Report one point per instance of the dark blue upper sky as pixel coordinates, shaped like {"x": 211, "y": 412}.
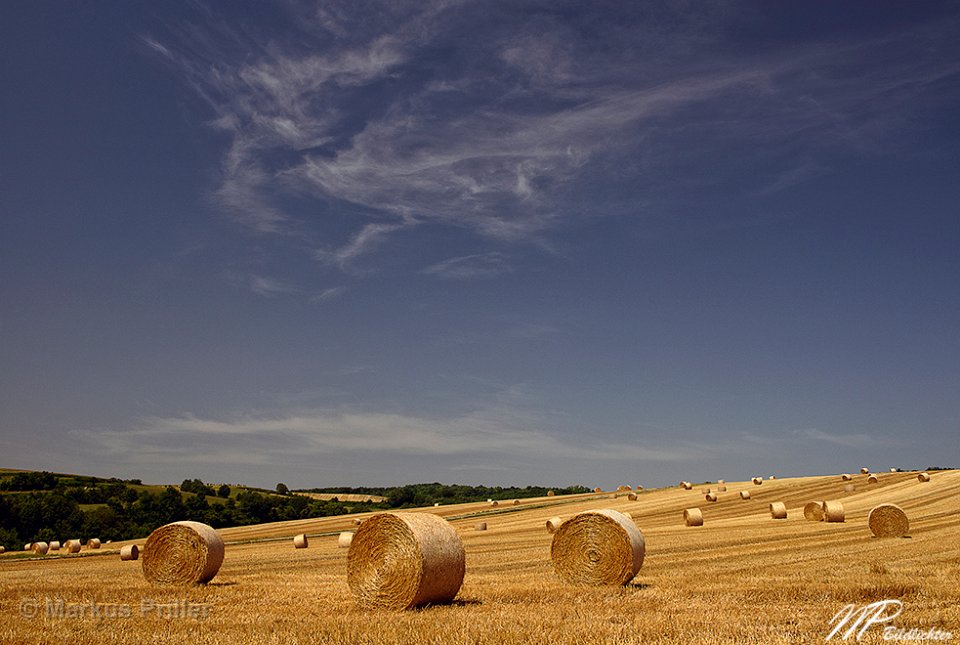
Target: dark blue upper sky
{"x": 501, "y": 242}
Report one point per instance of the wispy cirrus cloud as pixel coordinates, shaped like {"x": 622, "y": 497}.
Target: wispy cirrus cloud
{"x": 498, "y": 123}
{"x": 465, "y": 267}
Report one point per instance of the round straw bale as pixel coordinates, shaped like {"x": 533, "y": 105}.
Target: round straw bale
{"x": 720, "y": 482}
{"x": 597, "y": 490}
{"x": 687, "y": 486}
{"x": 72, "y": 546}
{"x": 888, "y": 520}
{"x": 893, "y": 470}
{"x": 711, "y": 497}
{"x": 130, "y": 552}
{"x": 480, "y": 526}
{"x": 693, "y": 517}
{"x": 41, "y": 548}
{"x": 772, "y": 477}
{"x": 516, "y": 502}
{"x": 849, "y": 488}
{"x": 833, "y": 511}
{"x": 623, "y": 488}
{"x": 924, "y": 477}
{"x": 300, "y": 541}
{"x": 494, "y": 503}
{"x": 28, "y": 546}
{"x": 55, "y": 546}
{"x": 550, "y": 493}
{"x": 632, "y": 497}
{"x": 845, "y": 477}
{"x": 705, "y": 490}
{"x": 813, "y": 511}
{"x": 357, "y": 521}
{"x": 744, "y": 494}
{"x": 182, "y": 553}
{"x": 436, "y": 503}
{"x": 757, "y": 480}
{"x": 778, "y": 510}
{"x": 93, "y": 543}
{"x": 3, "y": 549}
{"x": 345, "y": 539}
{"x": 864, "y": 471}
{"x": 601, "y": 547}
{"x": 721, "y": 489}
{"x": 553, "y": 524}
{"x": 404, "y": 560}
{"x": 873, "y": 479}
{"x": 639, "y": 488}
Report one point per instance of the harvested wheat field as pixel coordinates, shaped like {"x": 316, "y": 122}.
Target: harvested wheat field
{"x": 740, "y": 578}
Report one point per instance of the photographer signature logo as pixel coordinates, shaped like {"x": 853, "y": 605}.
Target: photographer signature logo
{"x": 853, "y": 622}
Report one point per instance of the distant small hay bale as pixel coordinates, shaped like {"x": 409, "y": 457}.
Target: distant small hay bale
{"x": 3, "y": 549}
{"x": 772, "y": 477}
{"x": 28, "y": 546}
{"x": 721, "y": 489}
{"x": 489, "y": 500}
{"x": 93, "y": 543}
{"x": 924, "y": 477}
{"x": 550, "y": 493}
{"x": 873, "y": 479}
{"x": 833, "y": 511}
{"x": 720, "y": 482}
{"x": 72, "y": 546}
{"x": 632, "y": 497}
{"x": 357, "y": 521}
{"x": 600, "y": 547}
{"x": 705, "y": 491}
{"x": 41, "y": 548}
{"x": 55, "y": 546}
{"x": 893, "y": 470}
{"x": 405, "y": 560}
{"x": 813, "y": 511}
{"x": 686, "y": 485}
{"x": 130, "y": 552}
{"x": 757, "y": 480}
{"x": 864, "y": 471}
{"x": 744, "y": 494}
{"x": 301, "y": 541}
{"x": 182, "y": 553}
{"x": 597, "y": 490}
{"x": 516, "y": 502}
{"x": 639, "y": 488}
{"x": 345, "y": 539}
{"x": 845, "y": 477}
{"x": 888, "y": 520}
{"x": 711, "y": 497}
{"x": 623, "y": 488}
{"x": 849, "y": 488}
{"x": 436, "y": 503}
{"x": 480, "y": 526}
{"x": 778, "y": 510}
{"x": 553, "y": 524}
{"x": 494, "y": 503}
{"x": 693, "y": 517}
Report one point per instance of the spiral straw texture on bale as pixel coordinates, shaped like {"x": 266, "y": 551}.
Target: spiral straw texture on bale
{"x": 404, "y": 560}
{"x": 924, "y": 477}
{"x": 888, "y": 520}
{"x": 345, "y": 539}
{"x": 833, "y": 512}
{"x": 778, "y": 510}
{"x": 130, "y": 552}
{"x": 41, "y": 548}
{"x": 182, "y": 553}
{"x": 553, "y": 524}
{"x": 601, "y": 547}
{"x": 693, "y": 517}
{"x": 301, "y": 541}
{"x": 813, "y": 511}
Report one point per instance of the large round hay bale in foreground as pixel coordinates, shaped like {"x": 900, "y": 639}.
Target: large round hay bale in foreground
{"x": 888, "y": 520}
{"x": 744, "y": 494}
{"x": 182, "y": 553}
{"x": 757, "y": 480}
{"x": 924, "y": 477}
{"x": 404, "y": 560}
{"x": 778, "y": 510}
{"x": 813, "y": 511}
{"x": 71, "y": 546}
{"x": 300, "y": 541}
{"x": 553, "y": 524}
{"x": 130, "y": 552}
{"x": 693, "y": 517}
{"x": 833, "y": 512}
{"x": 345, "y": 539}
{"x": 93, "y": 543}
{"x": 601, "y": 547}
{"x": 41, "y": 548}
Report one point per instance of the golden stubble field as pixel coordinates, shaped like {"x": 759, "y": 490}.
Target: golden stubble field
{"x": 741, "y": 578}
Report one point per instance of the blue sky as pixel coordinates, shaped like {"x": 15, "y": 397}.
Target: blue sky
{"x": 495, "y": 242}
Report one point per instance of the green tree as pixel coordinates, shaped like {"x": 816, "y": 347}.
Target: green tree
{"x": 282, "y": 489}
{"x": 223, "y": 491}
